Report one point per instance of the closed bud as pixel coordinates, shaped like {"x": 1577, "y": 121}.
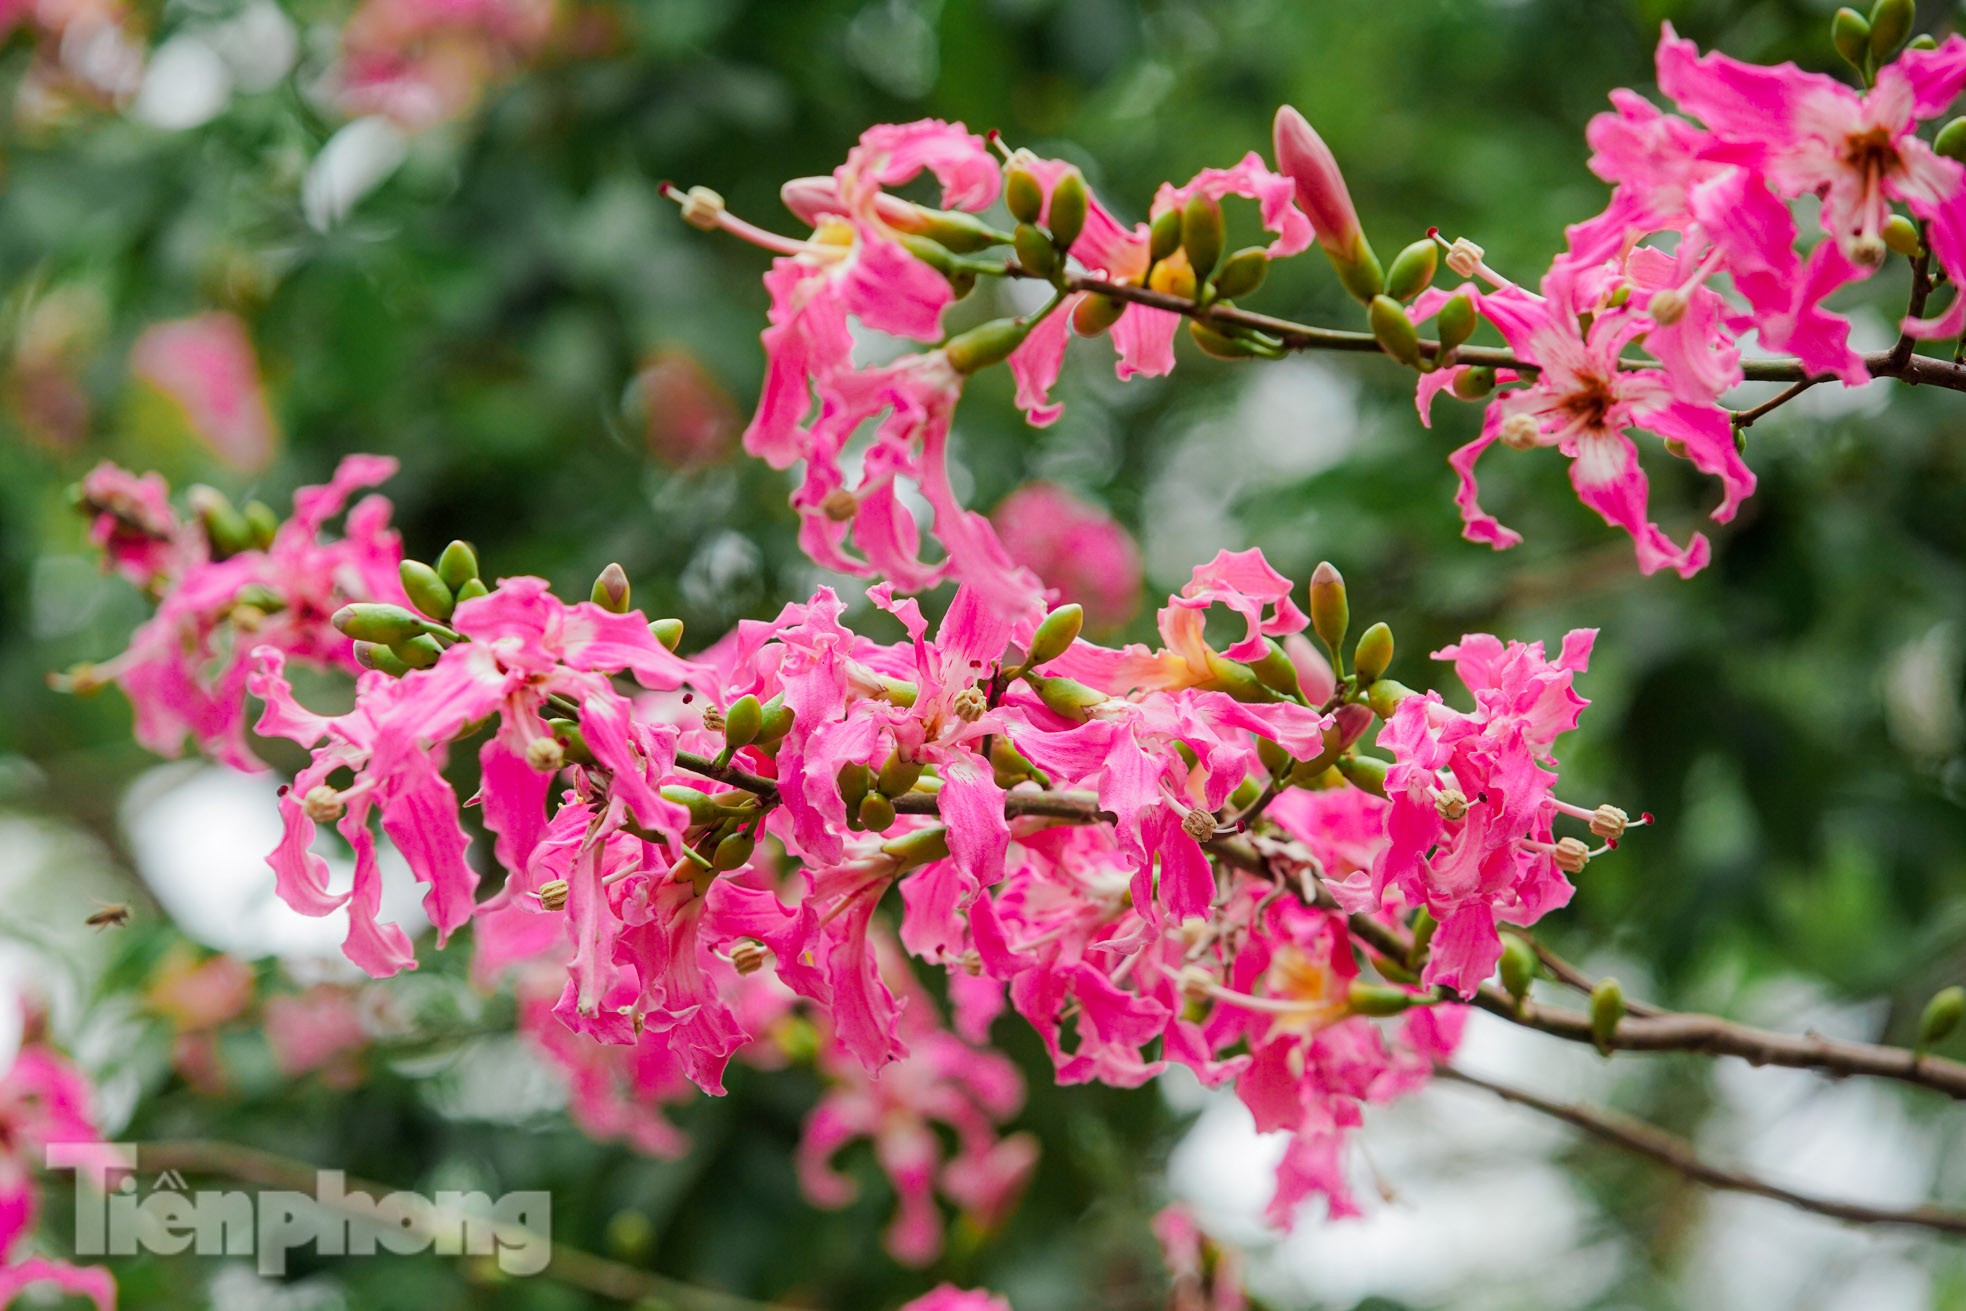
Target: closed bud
{"x": 954, "y": 230}
{"x": 261, "y": 522}
{"x": 1385, "y": 695}
{"x": 669, "y": 632}
{"x": 1274, "y": 758}
{"x": 1201, "y": 233}
{"x": 734, "y": 851}
{"x": 702, "y": 810}
{"x": 1471, "y": 384}
{"x": 1901, "y": 236}
{"x": 1607, "y": 1009}
{"x": 377, "y": 621}
{"x": 225, "y": 528}
{"x": 1456, "y": 321}
{"x": 418, "y": 652}
{"x": 611, "y": 590}
{"x": 1068, "y": 206}
{"x": 473, "y": 589}
{"x": 426, "y": 590}
{"x": 919, "y": 847}
{"x": 743, "y": 722}
{"x": 1173, "y": 277}
{"x": 1373, "y": 653}
{"x": 1941, "y": 1016}
{"x": 1009, "y": 766}
{"x": 930, "y": 252}
{"x": 1218, "y": 344}
{"x": 777, "y": 722}
{"x": 1951, "y": 141}
{"x": 1094, "y": 314}
{"x": 458, "y": 565}
{"x": 1331, "y": 613}
{"x": 1394, "y": 331}
{"x": 1056, "y": 634}
{"x": 374, "y": 655}
{"x": 1849, "y": 32}
{"x": 898, "y": 775}
{"x": 1321, "y": 193}
{"x": 1022, "y": 195}
{"x": 1066, "y": 697}
{"x": 1349, "y": 723}
{"x": 1412, "y": 270}
{"x": 1274, "y": 670}
{"x": 1363, "y": 998}
{"x": 987, "y": 344}
{"x": 1242, "y": 273}
{"x": 876, "y": 813}
{"x": 1164, "y": 235}
{"x": 1923, "y": 41}
{"x": 855, "y": 780}
{"x": 1035, "y": 251}
{"x": 1424, "y": 928}
{"x": 1890, "y": 24}
{"x": 1518, "y": 966}
{"x": 1366, "y": 773}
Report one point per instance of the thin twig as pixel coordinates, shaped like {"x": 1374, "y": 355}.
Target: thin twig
{"x": 1744, "y": 419}
{"x": 1656, "y": 1144}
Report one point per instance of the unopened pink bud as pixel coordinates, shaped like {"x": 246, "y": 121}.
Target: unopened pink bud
{"x": 1322, "y": 194}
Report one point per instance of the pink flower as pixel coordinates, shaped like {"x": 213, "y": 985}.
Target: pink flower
{"x": 947, "y": 1297}
{"x": 92, "y": 1282}
{"x": 425, "y": 62}
{"x": 43, "y": 1100}
{"x": 320, "y": 1029}
{"x": 692, "y": 422}
{"x": 1079, "y": 551}
{"x": 206, "y": 366}
{"x": 1206, "y": 1275}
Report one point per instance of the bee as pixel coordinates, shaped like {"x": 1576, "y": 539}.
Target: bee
{"x": 108, "y": 915}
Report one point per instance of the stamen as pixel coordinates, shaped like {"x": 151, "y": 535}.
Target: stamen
{"x": 1467, "y": 260}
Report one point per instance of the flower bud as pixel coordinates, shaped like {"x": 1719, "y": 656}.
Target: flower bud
{"x": 374, "y": 655}
{"x": 611, "y": 590}
{"x": 876, "y": 813}
{"x": 743, "y": 722}
{"x": 1067, "y": 697}
{"x": 418, "y": 652}
{"x": 1890, "y": 24}
{"x": 702, "y": 810}
{"x": 1849, "y": 32}
{"x": 1242, "y": 273}
{"x": 1607, "y": 1009}
{"x": 855, "y": 779}
{"x": 1901, "y": 236}
{"x": 1321, "y": 193}
{"x": 1363, "y": 998}
{"x": 932, "y": 253}
{"x": 1164, "y": 235}
{"x": 1456, "y": 321}
{"x": 225, "y": 528}
{"x": 553, "y": 894}
{"x": 1385, "y": 695}
{"x": 1275, "y": 760}
{"x": 918, "y": 848}
{"x": 1275, "y": 670}
{"x": 1951, "y": 141}
{"x": 1349, "y": 723}
{"x": 734, "y": 851}
{"x": 1366, "y": 773}
{"x": 1942, "y": 1015}
{"x": 473, "y": 589}
{"x": 1471, "y": 384}
{"x": 1173, "y": 277}
{"x": 571, "y": 740}
{"x": 261, "y": 522}
{"x": 1412, "y": 270}
{"x": 987, "y": 344}
{"x": 1201, "y": 233}
{"x": 1217, "y": 344}
{"x": 777, "y": 722}
{"x": 952, "y": 229}
{"x": 1373, "y": 653}
{"x": 1331, "y": 613}
{"x": 1923, "y": 41}
{"x": 1034, "y": 250}
{"x": 426, "y": 590}
{"x": 669, "y": 632}
{"x": 1055, "y": 635}
{"x": 1094, "y": 314}
{"x": 1424, "y": 928}
{"x": 376, "y": 621}
{"x": 458, "y": 565}
{"x": 898, "y": 775}
{"x": 1009, "y": 766}
{"x": 1518, "y": 966}
{"x": 1068, "y": 207}
{"x": 1022, "y": 195}
{"x": 1395, "y": 332}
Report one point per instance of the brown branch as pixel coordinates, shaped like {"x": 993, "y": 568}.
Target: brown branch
{"x": 1677, "y": 1154}
{"x": 569, "y": 1266}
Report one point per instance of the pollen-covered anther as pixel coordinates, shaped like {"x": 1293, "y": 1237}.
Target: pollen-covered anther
{"x": 702, "y": 208}
{"x": 1571, "y": 855}
{"x": 1609, "y": 822}
{"x": 1451, "y": 804}
{"x": 1868, "y": 251}
{"x": 552, "y": 894}
{"x": 1666, "y": 307}
{"x": 972, "y": 963}
{"x": 972, "y": 703}
{"x": 1464, "y": 257}
{"x": 1520, "y": 433}
{"x": 322, "y": 804}
{"x": 1194, "y": 982}
{"x": 748, "y": 955}
{"x": 545, "y": 754}
{"x": 713, "y": 719}
{"x": 840, "y": 505}
{"x": 1194, "y": 930}
{"x": 1198, "y": 824}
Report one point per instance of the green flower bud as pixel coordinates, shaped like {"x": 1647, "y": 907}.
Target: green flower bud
{"x": 418, "y": 652}
{"x": 986, "y": 344}
{"x": 1094, "y": 314}
{"x": 1035, "y": 251}
{"x": 1396, "y": 334}
{"x": 778, "y": 720}
{"x": 1412, "y": 270}
{"x": 1901, "y": 235}
{"x": 1456, "y": 321}
{"x": 669, "y": 632}
{"x": 954, "y": 230}
{"x": 1242, "y": 273}
{"x": 1274, "y": 758}
{"x": 1164, "y": 235}
{"x": 473, "y": 589}
{"x": 374, "y": 621}
{"x": 1331, "y": 613}
{"x": 1518, "y": 966}
{"x": 1385, "y": 695}
{"x": 426, "y": 590}
{"x": 702, "y": 810}
{"x": 1373, "y": 653}
{"x": 1360, "y": 273}
{"x": 1009, "y": 766}
{"x": 458, "y": 565}
{"x": 876, "y": 813}
{"x": 1942, "y": 1016}
{"x": 1218, "y": 344}
{"x": 1066, "y": 696}
{"x": 1849, "y": 32}
{"x": 611, "y": 590}
{"x": 374, "y": 655}
{"x": 918, "y": 848}
{"x": 1201, "y": 233}
{"x": 1363, "y": 998}
{"x": 1275, "y": 671}
{"x": 573, "y": 743}
{"x": 898, "y": 775}
{"x": 1424, "y": 928}
{"x": 1890, "y": 24}
{"x": 1472, "y": 384}
{"x": 1951, "y": 141}
{"x": 1022, "y": 195}
{"x": 261, "y": 522}
{"x": 1068, "y": 206}
{"x": 1607, "y": 1009}
{"x": 1056, "y": 634}
{"x": 1923, "y": 41}
{"x": 743, "y": 722}
{"x": 225, "y": 528}
{"x": 734, "y": 851}
{"x": 1366, "y": 773}
{"x": 932, "y": 253}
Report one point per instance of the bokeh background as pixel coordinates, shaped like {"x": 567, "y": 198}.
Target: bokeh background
{"x": 503, "y": 301}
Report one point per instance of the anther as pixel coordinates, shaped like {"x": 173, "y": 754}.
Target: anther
{"x": 1571, "y": 855}
{"x": 552, "y": 894}
{"x": 1520, "y": 433}
{"x": 545, "y": 754}
{"x": 322, "y": 804}
{"x": 1451, "y": 804}
{"x": 1608, "y": 822}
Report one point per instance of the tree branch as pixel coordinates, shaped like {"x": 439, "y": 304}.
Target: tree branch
{"x": 1677, "y": 1154}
